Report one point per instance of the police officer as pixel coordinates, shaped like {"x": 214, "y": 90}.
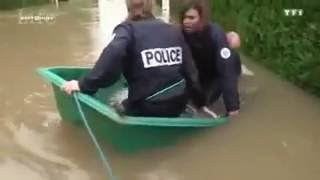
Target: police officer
{"x": 152, "y": 55}
{"x": 218, "y": 65}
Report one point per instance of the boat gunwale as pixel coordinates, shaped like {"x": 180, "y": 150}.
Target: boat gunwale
{"x": 108, "y": 111}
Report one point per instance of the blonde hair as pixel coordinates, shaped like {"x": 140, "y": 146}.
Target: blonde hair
{"x": 139, "y": 9}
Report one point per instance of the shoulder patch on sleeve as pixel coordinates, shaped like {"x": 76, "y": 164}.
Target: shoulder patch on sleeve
{"x": 225, "y": 53}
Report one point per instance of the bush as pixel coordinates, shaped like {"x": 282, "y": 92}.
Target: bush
{"x": 287, "y": 45}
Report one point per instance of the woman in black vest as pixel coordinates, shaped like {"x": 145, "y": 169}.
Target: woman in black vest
{"x": 218, "y": 65}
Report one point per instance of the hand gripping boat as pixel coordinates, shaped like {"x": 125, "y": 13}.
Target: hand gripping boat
{"x": 125, "y": 133}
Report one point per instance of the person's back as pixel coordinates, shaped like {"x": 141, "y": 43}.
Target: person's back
{"x": 155, "y": 61}
{"x": 153, "y": 64}
{"x": 152, "y": 55}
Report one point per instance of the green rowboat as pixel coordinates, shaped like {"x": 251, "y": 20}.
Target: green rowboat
{"x": 125, "y": 133}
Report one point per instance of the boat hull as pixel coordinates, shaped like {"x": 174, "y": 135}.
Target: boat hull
{"x": 125, "y": 133}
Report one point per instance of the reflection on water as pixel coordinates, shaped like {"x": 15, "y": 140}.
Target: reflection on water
{"x": 109, "y": 16}
{"x": 39, "y": 148}
{"x": 159, "y": 174}
{"x": 276, "y": 136}
{"x": 17, "y": 171}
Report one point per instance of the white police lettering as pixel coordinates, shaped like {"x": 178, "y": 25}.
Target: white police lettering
{"x": 225, "y": 53}
{"x": 161, "y": 57}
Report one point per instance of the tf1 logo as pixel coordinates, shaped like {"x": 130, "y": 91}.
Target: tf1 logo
{"x": 293, "y": 12}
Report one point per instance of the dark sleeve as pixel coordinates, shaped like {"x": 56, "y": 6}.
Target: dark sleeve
{"x": 227, "y": 67}
{"x": 190, "y": 73}
{"x": 109, "y": 66}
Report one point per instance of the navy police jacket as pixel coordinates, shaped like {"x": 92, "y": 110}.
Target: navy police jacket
{"x": 151, "y": 54}
{"x": 216, "y": 62}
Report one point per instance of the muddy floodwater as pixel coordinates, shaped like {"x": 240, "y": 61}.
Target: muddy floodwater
{"x": 276, "y": 137}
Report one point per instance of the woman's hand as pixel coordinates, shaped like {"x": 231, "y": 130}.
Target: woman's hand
{"x": 70, "y": 86}
{"x": 233, "y": 39}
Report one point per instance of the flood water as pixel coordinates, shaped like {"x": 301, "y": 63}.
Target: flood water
{"x": 276, "y": 136}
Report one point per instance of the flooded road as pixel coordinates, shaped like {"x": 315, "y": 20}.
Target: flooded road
{"x": 276, "y": 136}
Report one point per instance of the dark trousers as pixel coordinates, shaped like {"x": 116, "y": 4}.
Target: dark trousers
{"x": 172, "y": 108}
{"x": 212, "y": 87}
{"x": 212, "y": 92}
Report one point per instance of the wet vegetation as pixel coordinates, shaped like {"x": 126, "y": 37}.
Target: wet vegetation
{"x": 288, "y": 45}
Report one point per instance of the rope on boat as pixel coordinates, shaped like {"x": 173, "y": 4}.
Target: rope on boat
{"x": 103, "y": 157}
